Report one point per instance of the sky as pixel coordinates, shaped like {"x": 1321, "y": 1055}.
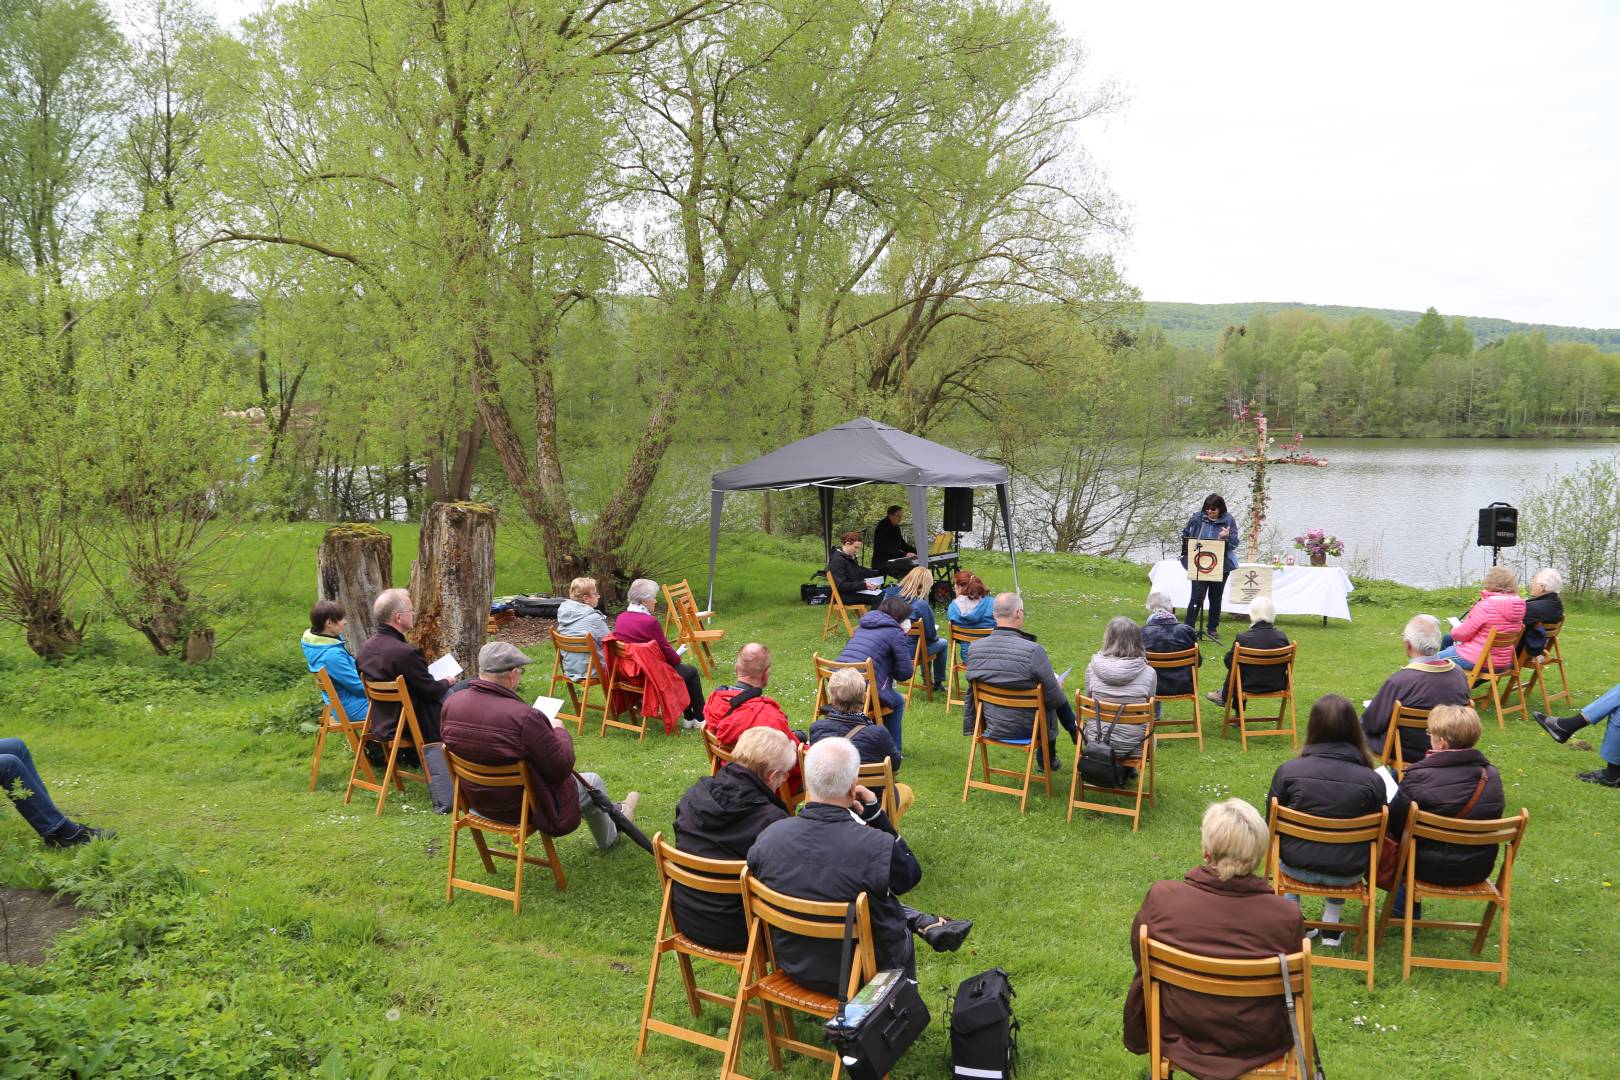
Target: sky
{"x": 1464, "y": 156}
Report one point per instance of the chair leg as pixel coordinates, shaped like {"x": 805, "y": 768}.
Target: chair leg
{"x": 1029, "y": 771}
{"x": 1406, "y": 958}
{"x": 390, "y": 775}
{"x": 449, "y": 886}
{"x": 647, "y": 1000}
{"x": 556, "y": 866}
{"x": 1484, "y": 928}
{"x": 1368, "y": 903}
{"x": 517, "y": 880}
{"x": 1502, "y": 947}
{"x": 315, "y": 764}
{"x": 1075, "y": 788}
{"x": 483, "y": 848}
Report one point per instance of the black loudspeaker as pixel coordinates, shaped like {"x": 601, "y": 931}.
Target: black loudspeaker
{"x": 1498, "y": 526}
{"x": 958, "y": 510}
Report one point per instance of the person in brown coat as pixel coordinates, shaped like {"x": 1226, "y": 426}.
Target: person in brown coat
{"x": 487, "y": 723}
{"x": 1219, "y": 909}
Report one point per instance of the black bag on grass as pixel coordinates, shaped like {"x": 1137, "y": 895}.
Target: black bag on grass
{"x": 984, "y": 1035}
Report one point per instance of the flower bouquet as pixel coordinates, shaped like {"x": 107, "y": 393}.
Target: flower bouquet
{"x": 1318, "y": 545}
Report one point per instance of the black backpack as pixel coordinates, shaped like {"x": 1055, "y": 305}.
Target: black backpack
{"x": 984, "y": 1035}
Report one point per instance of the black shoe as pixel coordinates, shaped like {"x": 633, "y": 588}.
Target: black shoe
{"x": 79, "y": 834}
{"x": 947, "y": 935}
{"x": 1599, "y": 776}
{"x": 1554, "y": 725}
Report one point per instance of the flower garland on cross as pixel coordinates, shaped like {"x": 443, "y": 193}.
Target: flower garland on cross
{"x": 1257, "y": 458}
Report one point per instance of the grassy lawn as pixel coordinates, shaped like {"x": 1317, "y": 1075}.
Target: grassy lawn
{"x": 248, "y": 927}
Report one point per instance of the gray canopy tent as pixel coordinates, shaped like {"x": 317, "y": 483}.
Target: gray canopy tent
{"x": 862, "y": 451}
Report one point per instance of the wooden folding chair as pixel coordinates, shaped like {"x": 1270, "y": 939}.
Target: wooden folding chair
{"x": 985, "y": 694}
{"x": 719, "y": 756}
{"x": 873, "y": 707}
{"x": 722, "y": 877}
{"x": 1505, "y": 832}
{"x": 1401, "y": 716}
{"x": 1540, "y": 666}
{"x": 849, "y": 613}
{"x": 1236, "y": 696}
{"x": 579, "y": 693}
{"x": 920, "y": 667}
{"x": 618, "y": 682}
{"x": 954, "y": 638}
{"x": 1136, "y": 714}
{"x": 1486, "y": 671}
{"x": 1170, "y": 661}
{"x": 1366, "y": 829}
{"x": 763, "y": 982}
{"x": 880, "y": 776}
{"x": 1165, "y": 965}
{"x": 463, "y": 816}
{"x": 691, "y": 625}
{"x": 335, "y": 718}
{"x": 406, "y": 729}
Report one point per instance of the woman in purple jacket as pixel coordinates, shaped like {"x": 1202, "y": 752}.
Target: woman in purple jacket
{"x": 881, "y": 637}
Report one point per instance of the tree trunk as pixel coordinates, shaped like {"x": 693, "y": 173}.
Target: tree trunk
{"x": 454, "y": 581}
{"x": 200, "y": 646}
{"x": 355, "y": 564}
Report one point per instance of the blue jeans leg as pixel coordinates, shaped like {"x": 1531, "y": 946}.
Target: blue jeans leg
{"x": 17, "y": 768}
{"x": 1607, "y": 708}
{"x": 937, "y": 652}
{"x": 1450, "y": 653}
{"x": 893, "y": 721}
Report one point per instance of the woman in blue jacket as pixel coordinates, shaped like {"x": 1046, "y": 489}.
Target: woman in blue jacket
{"x": 324, "y": 648}
{"x": 1210, "y": 523}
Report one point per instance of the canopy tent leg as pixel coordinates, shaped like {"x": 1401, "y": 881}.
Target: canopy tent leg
{"x": 1005, "y": 500}
{"x": 716, "y": 498}
{"x": 917, "y": 496}
{"x": 825, "y": 495}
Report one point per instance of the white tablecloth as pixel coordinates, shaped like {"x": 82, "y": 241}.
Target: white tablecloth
{"x": 1296, "y": 590}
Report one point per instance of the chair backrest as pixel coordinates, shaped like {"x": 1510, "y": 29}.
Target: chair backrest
{"x": 1552, "y": 630}
{"x": 880, "y": 774}
{"x": 1366, "y": 829}
{"x": 1499, "y": 639}
{"x": 958, "y": 634}
{"x": 1494, "y": 831}
{"x": 682, "y": 604}
{"x": 819, "y": 919}
{"x": 986, "y": 694}
{"x": 512, "y": 774}
{"x": 722, "y": 877}
{"x": 339, "y": 718}
{"x": 580, "y": 644}
{"x": 824, "y": 669}
{"x": 1164, "y": 661}
{"x": 395, "y": 693}
{"x": 919, "y": 648}
{"x": 1401, "y": 716}
{"x": 1242, "y": 654}
{"x": 718, "y": 755}
{"x": 1134, "y": 713}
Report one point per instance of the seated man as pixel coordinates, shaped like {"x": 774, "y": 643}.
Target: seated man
{"x": 637, "y": 622}
{"x": 1011, "y": 659}
{"x": 840, "y": 846}
{"x": 1164, "y": 633}
{"x": 889, "y": 541}
{"x": 578, "y": 616}
{"x": 20, "y": 785}
{"x": 487, "y": 723}
{"x": 1422, "y": 684}
{"x": 1221, "y": 908}
{"x": 1543, "y": 608}
{"x": 386, "y": 656}
{"x": 719, "y": 817}
{"x": 857, "y": 584}
{"x": 324, "y": 648}
{"x": 732, "y": 710}
{"x": 844, "y": 717}
{"x": 1261, "y": 634}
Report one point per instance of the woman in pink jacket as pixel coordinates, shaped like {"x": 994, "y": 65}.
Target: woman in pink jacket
{"x": 1500, "y": 608}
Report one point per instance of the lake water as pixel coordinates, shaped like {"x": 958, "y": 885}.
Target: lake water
{"x": 1406, "y": 509}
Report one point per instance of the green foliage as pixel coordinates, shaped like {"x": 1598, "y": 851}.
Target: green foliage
{"x": 1573, "y": 522}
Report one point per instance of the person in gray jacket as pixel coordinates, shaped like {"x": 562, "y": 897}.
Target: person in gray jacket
{"x": 577, "y": 616}
{"x": 1119, "y": 674}
{"x": 1013, "y": 660}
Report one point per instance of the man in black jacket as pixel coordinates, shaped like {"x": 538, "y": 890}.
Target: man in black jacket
{"x": 386, "y": 656}
{"x": 720, "y": 817}
{"x": 1542, "y": 608}
{"x": 840, "y": 846}
{"x": 1261, "y": 634}
{"x": 1164, "y": 633}
{"x": 889, "y": 541}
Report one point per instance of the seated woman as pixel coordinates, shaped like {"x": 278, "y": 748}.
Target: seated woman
{"x": 844, "y": 717}
{"x": 719, "y": 817}
{"x": 973, "y": 607}
{"x": 637, "y": 623}
{"x": 1164, "y": 633}
{"x": 1119, "y": 674}
{"x": 1261, "y": 634}
{"x": 1499, "y": 608}
{"x": 881, "y": 637}
{"x": 854, "y": 581}
{"x": 1333, "y": 777}
{"x": 1218, "y": 909}
{"x": 1452, "y": 779}
{"x": 914, "y": 589}
{"x": 1544, "y": 608}
{"x": 578, "y": 616}
{"x": 324, "y": 648}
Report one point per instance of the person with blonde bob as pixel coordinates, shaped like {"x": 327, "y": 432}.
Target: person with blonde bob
{"x": 914, "y": 589}
{"x": 1219, "y": 908}
{"x": 578, "y": 616}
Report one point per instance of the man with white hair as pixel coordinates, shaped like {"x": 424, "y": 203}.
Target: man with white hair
{"x": 1011, "y": 658}
{"x": 386, "y": 656}
{"x": 840, "y": 846}
{"x": 1542, "y": 608}
{"x": 639, "y": 622}
{"x": 1422, "y": 684}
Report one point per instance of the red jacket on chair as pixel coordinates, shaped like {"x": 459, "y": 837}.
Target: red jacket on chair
{"x": 664, "y": 693}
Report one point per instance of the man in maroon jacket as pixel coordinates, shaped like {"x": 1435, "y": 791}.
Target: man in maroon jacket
{"x": 487, "y": 723}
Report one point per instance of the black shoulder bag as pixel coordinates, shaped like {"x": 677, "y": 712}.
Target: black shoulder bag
{"x": 984, "y": 1035}
{"x": 1099, "y": 765}
{"x": 874, "y": 1028}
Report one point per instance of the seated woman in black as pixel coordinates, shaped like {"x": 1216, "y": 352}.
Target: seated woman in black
{"x": 1261, "y": 634}
{"x": 1333, "y": 777}
{"x": 844, "y": 570}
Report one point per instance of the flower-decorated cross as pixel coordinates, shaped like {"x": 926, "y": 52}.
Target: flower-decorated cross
{"x": 1257, "y": 458}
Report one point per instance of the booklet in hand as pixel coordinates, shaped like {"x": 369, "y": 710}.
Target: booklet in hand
{"x": 551, "y": 706}
{"x": 445, "y": 667}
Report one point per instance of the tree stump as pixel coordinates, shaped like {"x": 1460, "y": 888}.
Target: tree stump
{"x": 354, "y": 564}
{"x": 453, "y": 581}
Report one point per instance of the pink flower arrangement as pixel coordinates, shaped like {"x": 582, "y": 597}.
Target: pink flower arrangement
{"x": 1317, "y": 542}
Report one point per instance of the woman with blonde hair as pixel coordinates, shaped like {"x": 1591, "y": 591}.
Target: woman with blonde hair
{"x": 914, "y": 589}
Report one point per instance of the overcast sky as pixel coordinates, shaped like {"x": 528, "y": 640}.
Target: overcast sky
{"x": 1460, "y": 155}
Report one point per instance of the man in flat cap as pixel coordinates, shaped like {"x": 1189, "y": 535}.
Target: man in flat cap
{"x": 488, "y": 723}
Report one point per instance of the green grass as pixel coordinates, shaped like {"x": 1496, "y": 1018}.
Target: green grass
{"x": 249, "y": 928}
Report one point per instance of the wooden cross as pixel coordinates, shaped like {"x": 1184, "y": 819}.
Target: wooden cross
{"x": 1258, "y": 458}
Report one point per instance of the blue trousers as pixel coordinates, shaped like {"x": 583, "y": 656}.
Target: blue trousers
{"x": 936, "y": 651}
{"x": 17, "y": 770}
{"x": 893, "y": 720}
{"x": 1606, "y": 708}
